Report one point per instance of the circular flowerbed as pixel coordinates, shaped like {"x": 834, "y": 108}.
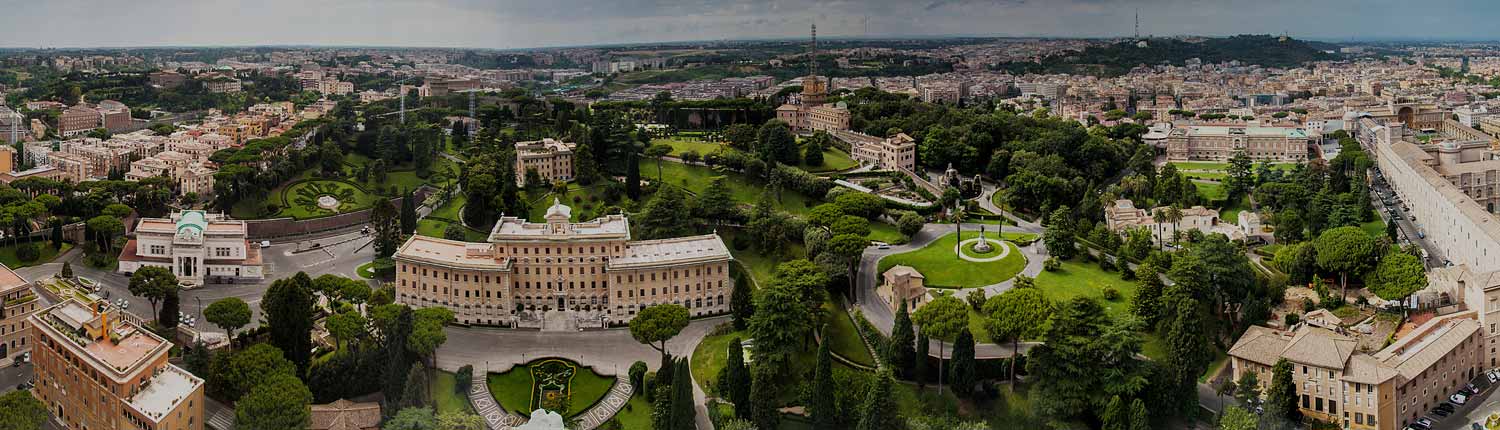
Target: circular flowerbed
{"x": 941, "y": 264}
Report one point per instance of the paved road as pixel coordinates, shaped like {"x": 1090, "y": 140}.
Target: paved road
{"x": 280, "y": 262}
{"x": 11, "y": 376}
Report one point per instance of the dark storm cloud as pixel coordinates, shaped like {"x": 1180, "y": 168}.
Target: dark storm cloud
{"x": 530, "y": 23}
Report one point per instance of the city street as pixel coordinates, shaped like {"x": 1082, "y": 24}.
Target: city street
{"x": 1475, "y": 410}
{"x": 342, "y": 256}
{"x": 11, "y": 376}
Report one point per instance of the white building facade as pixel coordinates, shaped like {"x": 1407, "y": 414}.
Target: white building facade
{"x": 199, "y": 248}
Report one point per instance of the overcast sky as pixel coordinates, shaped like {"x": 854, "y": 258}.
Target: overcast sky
{"x": 540, "y": 23}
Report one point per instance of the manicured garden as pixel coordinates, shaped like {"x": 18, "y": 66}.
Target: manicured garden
{"x": 546, "y": 383}
{"x": 301, "y": 200}
{"x": 434, "y": 224}
{"x": 697, "y": 178}
{"x": 943, "y": 269}
{"x": 708, "y": 359}
{"x": 587, "y": 202}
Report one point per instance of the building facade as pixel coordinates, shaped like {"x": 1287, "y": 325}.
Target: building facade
{"x": 1219, "y": 143}
{"x": 95, "y": 371}
{"x": 17, "y": 303}
{"x": 1384, "y": 390}
{"x": 591, "y": 266}
{"x": 551, "y": 159}
{"x": 197, "y": 246}
{"x": 897, "y": 152}
{"x": 79, "y": 119}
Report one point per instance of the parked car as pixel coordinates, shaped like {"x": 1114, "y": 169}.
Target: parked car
{"x": 1472, "y": 389}
{"x": 265, "y": 244}
{"x": 1458, "y": 399}
{"x": 1441, "y": 413}
{"x": 1446, "y": 406}
{"x": 1476, "y": 426}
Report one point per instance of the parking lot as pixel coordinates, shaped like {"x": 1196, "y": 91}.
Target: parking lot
{"x": 1475, "y": 409}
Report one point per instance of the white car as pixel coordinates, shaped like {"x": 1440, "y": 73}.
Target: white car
{"x": 1458, "y": 399}
{"x": 1493, "y": 377}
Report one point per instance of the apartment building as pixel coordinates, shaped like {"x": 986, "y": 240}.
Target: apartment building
{"x": 79, "y": 119}
{"x": 1357, "y": 389}
{"x": 115, "y": 116}
{"x": 1220, "y": 143}
{"x": 584, "y": 266}
{"x": 167, "y": 79}
{"x": 220, "y": 85}
{"x": 551, "y": 159}
{"x": 96, "y": 371}
{"x": 17, "y": 303}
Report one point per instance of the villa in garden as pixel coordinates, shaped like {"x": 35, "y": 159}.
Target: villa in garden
{"x": 552, "y": 160}
{"x": 1124, "y": 217}
{"x": 198, "y": 246}
{"x": 590, "y": 266}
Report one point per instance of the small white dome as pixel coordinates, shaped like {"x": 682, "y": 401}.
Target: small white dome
{"x": 559, "y": 210}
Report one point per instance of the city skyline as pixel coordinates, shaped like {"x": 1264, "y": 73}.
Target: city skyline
{"x": 523, "y": 24}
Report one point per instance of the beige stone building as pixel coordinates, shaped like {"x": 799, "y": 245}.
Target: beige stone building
{"x": 1357, "y": 389}
{"x": 551, "y": 159}
{"x": 591, "y": 266}
{"x": 197, "y": 246}
{"x": 904, "y": 284}
{"x": 1124, "y": 217}
{"x": 1219, "y": 143}
{"x": 897, "y": 152}
{"x": 96, "y": 371}
{"x": 810, "y": 112}
{"x": 17, "y": 303}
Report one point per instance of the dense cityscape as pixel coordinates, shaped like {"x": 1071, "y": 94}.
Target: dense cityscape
{"x": 846, "y": 230}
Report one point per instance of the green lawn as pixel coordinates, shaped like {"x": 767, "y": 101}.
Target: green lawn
{"x": 761, "y": 266}
{"x": 942, "y": 269}
{"x": 1077, "y": 279}
{"x": 833, "y": 160}
{"x": 708, "y": 360}
{"x": 697, "y": 178}
{"x": 1211, "y": 191}
{"x": 1204, "y": 165}
{"x": 366, "y": 270}
{"x": 845, "y": 340}
{"x": 1212, "y": 176}
{"x": 1375, "y": 228}
{"x": 450, "y": 209}
{"x": 681, "y": 145}
{"x": 1231, "y": 214}
{"x": 8, "y": 254}
{"x": 434, "y": 228}
{"x": 444, "y": 396}
{"x": 513, "y": 388}
{"x": 882, "y": 232}
{"x": 636, "y": 415}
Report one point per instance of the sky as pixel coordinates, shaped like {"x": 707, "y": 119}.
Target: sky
{"x": 544, "y": 23}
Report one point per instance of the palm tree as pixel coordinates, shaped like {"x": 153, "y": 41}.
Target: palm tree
{"x": 1174, "y": 214}
{"x": 1159, "y": 215}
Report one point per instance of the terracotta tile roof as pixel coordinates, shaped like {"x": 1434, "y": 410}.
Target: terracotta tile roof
{"x": 343, "y": 414}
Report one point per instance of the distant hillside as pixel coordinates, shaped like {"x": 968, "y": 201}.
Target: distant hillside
{"x": 1117, "y": 59}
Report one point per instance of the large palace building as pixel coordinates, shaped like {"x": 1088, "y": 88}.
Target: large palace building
{"x": 1219, "y": 143}
{"x": 590, "y": 266}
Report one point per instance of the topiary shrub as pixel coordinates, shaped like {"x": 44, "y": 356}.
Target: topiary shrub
{"x": 1051, "y": 264}
{"x": 28, "y": 252}
{"x": 1111, "y": 294}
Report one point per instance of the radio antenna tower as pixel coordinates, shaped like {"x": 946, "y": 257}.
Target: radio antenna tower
{"x": 1137, "y": 23}
{"x": 471, "y": 113}
{"x": 812, "y": 54}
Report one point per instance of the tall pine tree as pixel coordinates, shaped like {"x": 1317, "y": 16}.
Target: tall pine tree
{"x": 922, "y": 367}
{"x": 632, "y": 177}
{"x": 899, "y": 352}
{"x": 1281, "y": 398}
{"x": 764, "y": 409}
{"x": 879, "y": 409}
{"x": 821, "y": 407}
{"x": 963, "y": 374}
{"x": 396, "y": 360}
{"x": 683, "y": 412}
{"x": 408, "y": 213}
{"x": 740, "y": 302}
{"x": 734, "y": 380}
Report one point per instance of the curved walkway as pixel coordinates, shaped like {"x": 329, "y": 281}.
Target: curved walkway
{"x": 610, "y": 405}
{"x": 495, "y": 417}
